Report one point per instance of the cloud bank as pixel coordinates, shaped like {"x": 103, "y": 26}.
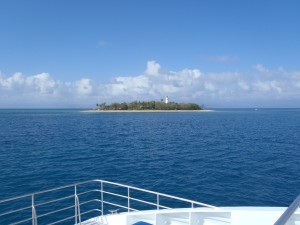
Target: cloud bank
{"x": 261, "y": 87}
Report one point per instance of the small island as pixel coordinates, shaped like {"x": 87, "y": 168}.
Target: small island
{"x": 148, "y": 106}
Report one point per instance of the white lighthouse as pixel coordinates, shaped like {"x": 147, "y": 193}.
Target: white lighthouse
{"x": 167, "y": 100}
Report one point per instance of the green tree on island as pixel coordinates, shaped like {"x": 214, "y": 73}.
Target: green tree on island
{"x": 149, "y": 105}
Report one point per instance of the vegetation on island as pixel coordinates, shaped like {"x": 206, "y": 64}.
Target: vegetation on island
{"x": 149, "y": 105}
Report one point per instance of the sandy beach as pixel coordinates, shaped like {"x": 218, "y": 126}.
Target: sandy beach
{"x": 143, "y": 111}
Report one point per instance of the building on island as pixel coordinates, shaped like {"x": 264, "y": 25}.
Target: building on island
{"x": 167, "y": 100}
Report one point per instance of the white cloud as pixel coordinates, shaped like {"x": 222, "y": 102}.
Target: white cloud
{"x": 15, "y": 80}
{"x": 185, "y": 77}
{"x": 84, "y": 86}
{"x": 40, "y": 83}
{"x": 263, "y": 70}
{"x": 244, "y": 86}
{"x": 209, "y": 86}
{"x": 154, "y": 83}
{"x": 152, "y": 68}
{"x": 296, "y": 78}
{"x": 268, "y": 86}
{"x": 43, "y": 83}
{"x": 129, "y": 86}
{"x": 211, "y": 89}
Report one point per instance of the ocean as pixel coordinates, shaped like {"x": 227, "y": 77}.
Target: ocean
{"x": 229, "y": 157}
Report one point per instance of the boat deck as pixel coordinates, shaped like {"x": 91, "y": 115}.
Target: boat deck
{"x": 89, "y": 203}
{"x": 223, "y": 216}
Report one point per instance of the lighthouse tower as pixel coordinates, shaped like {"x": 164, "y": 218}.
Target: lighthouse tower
{"x": 167, "y": 100}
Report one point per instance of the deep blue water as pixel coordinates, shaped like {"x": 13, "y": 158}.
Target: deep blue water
{"x": 227, "y": 157}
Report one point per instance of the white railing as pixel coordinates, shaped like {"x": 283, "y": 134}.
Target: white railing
{"x": 291, "y": 214}
{"x": 90, "y": 199}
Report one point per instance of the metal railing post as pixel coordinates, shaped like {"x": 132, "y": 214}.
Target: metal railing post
{"x": 157, "y": 201}
{"x": 128, "y": 197}
{"x": 75, "y": 203}
{"x": 102, "y": 199}
{"x": 77, "y": 207}
{"x": 34, "y": 218}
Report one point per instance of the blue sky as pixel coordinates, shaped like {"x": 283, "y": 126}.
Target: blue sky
{"x": 217, "y": 53}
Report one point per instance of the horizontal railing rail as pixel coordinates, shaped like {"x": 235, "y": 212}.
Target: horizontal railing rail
{"x": 84, "y": 202}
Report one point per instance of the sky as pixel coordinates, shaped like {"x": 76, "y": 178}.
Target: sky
{"x": 74, "y": 54}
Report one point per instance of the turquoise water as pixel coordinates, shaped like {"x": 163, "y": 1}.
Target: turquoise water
{"x": 227, "y": 157}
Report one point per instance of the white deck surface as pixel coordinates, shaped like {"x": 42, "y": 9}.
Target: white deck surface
{"x": 200, "y": 216}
